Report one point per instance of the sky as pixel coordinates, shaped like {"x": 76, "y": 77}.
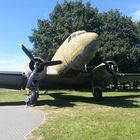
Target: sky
{"x": 19, "y": 17}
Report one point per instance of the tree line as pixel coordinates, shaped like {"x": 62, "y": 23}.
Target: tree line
{"x": 119, "y": 35}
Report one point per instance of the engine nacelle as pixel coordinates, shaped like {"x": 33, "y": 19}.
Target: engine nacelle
{"x": 111, "y": 66}
{"x": 29, "y": 67}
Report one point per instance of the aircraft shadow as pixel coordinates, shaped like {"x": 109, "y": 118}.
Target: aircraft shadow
{"x": 59, "y": 101}
{"x": 126, "y": 101}
{"x": 16, "y": 103}
{"x": 64, "y": 100}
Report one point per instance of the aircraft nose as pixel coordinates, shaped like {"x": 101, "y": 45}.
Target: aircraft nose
{"x": 91, "y": 44}
{"x": 88, "y": 45}
{"x": 91, "y": 40}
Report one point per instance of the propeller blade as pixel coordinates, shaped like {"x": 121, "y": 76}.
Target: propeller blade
{"x": 122, "y": 60}
{"x": 31, "y": 78}
{"x": 104, "y": 60}
{"x": 115, "y": 80}
{"x": 27, "y": 52}
{"x": 112, "y": 69}
{"x": 51, "y": 63}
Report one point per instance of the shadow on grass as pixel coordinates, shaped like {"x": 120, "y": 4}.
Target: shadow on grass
{"x": 126, "y": 101}
{"x": 60, "y": 100}
{"x": 16, "y": 103}
{"x": 67, "y": 100}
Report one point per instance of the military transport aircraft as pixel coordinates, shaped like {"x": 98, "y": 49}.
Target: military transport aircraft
{"x": 64, "y": 71}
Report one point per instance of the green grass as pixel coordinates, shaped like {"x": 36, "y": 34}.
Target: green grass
{"x": 11, "y": 97}
{"x": 72, "y": 115}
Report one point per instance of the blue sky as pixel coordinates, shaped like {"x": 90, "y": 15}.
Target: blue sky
{"x": 19, "y": 17}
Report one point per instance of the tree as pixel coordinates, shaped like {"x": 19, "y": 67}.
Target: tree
{"x": 41, "y": 39}
{"x": 63, "y": 20}
{"x": 118, "y": 36}
{"x": 118, "y": 33}
{"x": 138, "y": 28}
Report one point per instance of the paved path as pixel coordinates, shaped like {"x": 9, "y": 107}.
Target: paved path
{"x": 18, "y": 121}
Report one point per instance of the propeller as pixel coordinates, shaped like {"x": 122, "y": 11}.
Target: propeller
{"x": 37, "y": 65}
{"x": 111, "y": 67}
{"x": 51, "y": 63}
{"x": 27, "y": 52}
{"x": 31, "y": 78}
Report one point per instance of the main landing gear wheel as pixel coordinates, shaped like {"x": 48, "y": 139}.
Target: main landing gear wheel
{"x": 97, "y": 93}
{"x": 32, "y": 98}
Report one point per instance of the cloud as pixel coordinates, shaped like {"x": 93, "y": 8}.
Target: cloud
{"x": 7, "y": 65}
{"x": 136, "y": 15}
{"x": 12, "y": 63}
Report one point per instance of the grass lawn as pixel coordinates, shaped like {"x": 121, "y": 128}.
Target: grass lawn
{"x": 73, "y": 115}
{"x": 11, "y": 97}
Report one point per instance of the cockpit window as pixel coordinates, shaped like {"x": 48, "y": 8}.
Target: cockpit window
{"x": 71, "y": 37}
{"x": 75, "y": 34}
{"x": 80, "y": 33}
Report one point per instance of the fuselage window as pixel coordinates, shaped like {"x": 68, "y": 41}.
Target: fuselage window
{"x": 71, "y": 37}
{"x": 74, "y": 35}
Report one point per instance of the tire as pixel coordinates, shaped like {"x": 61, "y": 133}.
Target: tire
{"x": 33, "y": 98}
{"x": 97, "y": 93}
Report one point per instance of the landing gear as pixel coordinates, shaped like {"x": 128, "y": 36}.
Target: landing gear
{"x": 97, "y": 93}
{"x": 46, "y": 92}
{"x": 32, "y": 98}
{"x": 32, "y": 94}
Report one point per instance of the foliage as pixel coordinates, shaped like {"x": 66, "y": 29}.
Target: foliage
{"x": 41, "y": 38}
{"x": 118, "y": 38}
{"x": 64, "y": 19}
{"x": 118, "y": 33}
{"x": 138, "y": 28}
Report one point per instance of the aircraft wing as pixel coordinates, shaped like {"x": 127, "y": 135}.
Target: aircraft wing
{"x": 12, "y": 80}
{"x": 101, "y": 74}
{"x": 126, "y": 77}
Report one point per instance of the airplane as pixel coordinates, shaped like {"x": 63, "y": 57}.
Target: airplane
{"x": 66, "y": 70}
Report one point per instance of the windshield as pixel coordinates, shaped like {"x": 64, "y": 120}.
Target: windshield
{"x": 75, "y": 34}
